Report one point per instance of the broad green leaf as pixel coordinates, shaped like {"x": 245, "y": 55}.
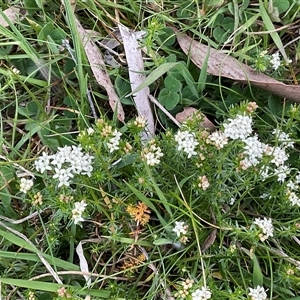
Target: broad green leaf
{"x": 281, "y": 5}
{"x": 172, "y": 84}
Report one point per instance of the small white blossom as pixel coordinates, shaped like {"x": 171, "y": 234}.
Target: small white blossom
{"x": 113, "y": 143}
{"x": 231, "y": 201}
{"x": 258, "y": 293}
{"x": 219, "y": 139}
{"x": 282, "y": 173}
{"x": 186, "y": 141}
{"x": 279, "y": 156}
{"x": 26, "y": 185}
{"x": 293, "y": 198}
{"x": 43, "y": 163}
{"x": 90, "y": 130}
{"x": 275, "y": 61}
{"x": 283, "y": 138}
{"x": 203, "y": 183}
{"x": 180, "y": 228}
{"x": 201, "y": 294}
{"x": 238, "y": 128}
{"x": 152, "y": 154}
{"x": 297, "y": 178}
{"x": 266, "y": 226}
{"x": 253, "y": 149}
{"x": 63, "y": 176}
{"x": 140, "y": 122}
{"x": 78, "y": 211}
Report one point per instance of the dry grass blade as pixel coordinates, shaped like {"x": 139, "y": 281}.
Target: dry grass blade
{"x": 220, "y": 64}
{"x": 98, "y": 68}
{"x": 136, "y": 68}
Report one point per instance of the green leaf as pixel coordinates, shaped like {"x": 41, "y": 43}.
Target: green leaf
{"x": 160, "y": 242}
{"x": 168, "y": 99}
{"x": 270, "y": 27}
{"x": 220, "y": 35}
{"x": 167, "y": 37}
{"x": 154, "y": 75}
{"x": 203, "y": 73}
{"x": 53, "y": 287}
{"x": 281, "y": 5}
{"x": 172, "y": 84}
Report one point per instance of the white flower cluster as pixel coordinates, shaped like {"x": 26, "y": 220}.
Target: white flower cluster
{"x": 66, "y": 162}
{"x": 258, "y": 293}
{"x": 283, "y": 138}
{"x": 266, "y": 226}
{"x": 78, "y": 211}
{"x": 219, "y": 139}
{"x": 26, "y": 185}
{"x": 275, "y": 61}
{"x": 254, "y": 150}
{"x": 113, "y": 143}
{"x": 152, "y": 154}
{"x": 238, "y": 128}
{"x": 180, "y": 228}
{"x": 201, "y": 294}
{"x": 140, "y": 122}
{"x": 186, "y": 141}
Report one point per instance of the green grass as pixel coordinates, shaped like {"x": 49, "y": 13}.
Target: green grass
{"x": 49, "y": 96}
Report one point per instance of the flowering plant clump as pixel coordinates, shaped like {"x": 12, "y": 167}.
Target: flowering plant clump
{"x": 193, "y": 213}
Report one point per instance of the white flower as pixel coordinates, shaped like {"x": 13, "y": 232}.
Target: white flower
{"x": 140, "y": 122}
{"x": 238, "y": 128}
{"x": 292, "y": 185}
{"x": 186, "y": 141}
{"x": 266, "y": 226}
{"x": 80, "y": 206}
{"x": 26, "y": 185}
{"x": 264, "y": 172}
{"x": 254, "y": 150}
{"x": 219, "y": 139}
{"x": 294, "y": 199}
{"x": 201, "y": 294}
{"x": 179, "y": 228}
{"x": 275, "y": 61}
{"x": 282, "y": 173}
{"x": 63, "y": 176}
{"x": 43, "y": 163}
{"x": 283, "y": 138}
{"x": 279, "y": 156}
{"x": 90, "y": 130}
{"x": 297, "y": 178}
{"x": 258, "y": 293}
{"x": 203, "y": 183}
{"x": 113, "y": 143}
{"x": 231, "y": 201}
{"x": 78, "y": 210}
{"x": 152, "y": 154}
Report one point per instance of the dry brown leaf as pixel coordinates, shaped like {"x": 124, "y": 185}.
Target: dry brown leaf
{"x": 14, "y": 14}
{"x": 98, "y": 68}
{"x": 220, "y": 64}
{"x": 189, "y": 112}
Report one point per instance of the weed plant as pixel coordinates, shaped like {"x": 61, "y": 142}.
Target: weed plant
{"x": 91, "y": 208}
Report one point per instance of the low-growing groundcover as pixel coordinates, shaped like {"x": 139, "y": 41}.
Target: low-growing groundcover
{"x": 190, "y": 214}
{"x": 90, "y": 209}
